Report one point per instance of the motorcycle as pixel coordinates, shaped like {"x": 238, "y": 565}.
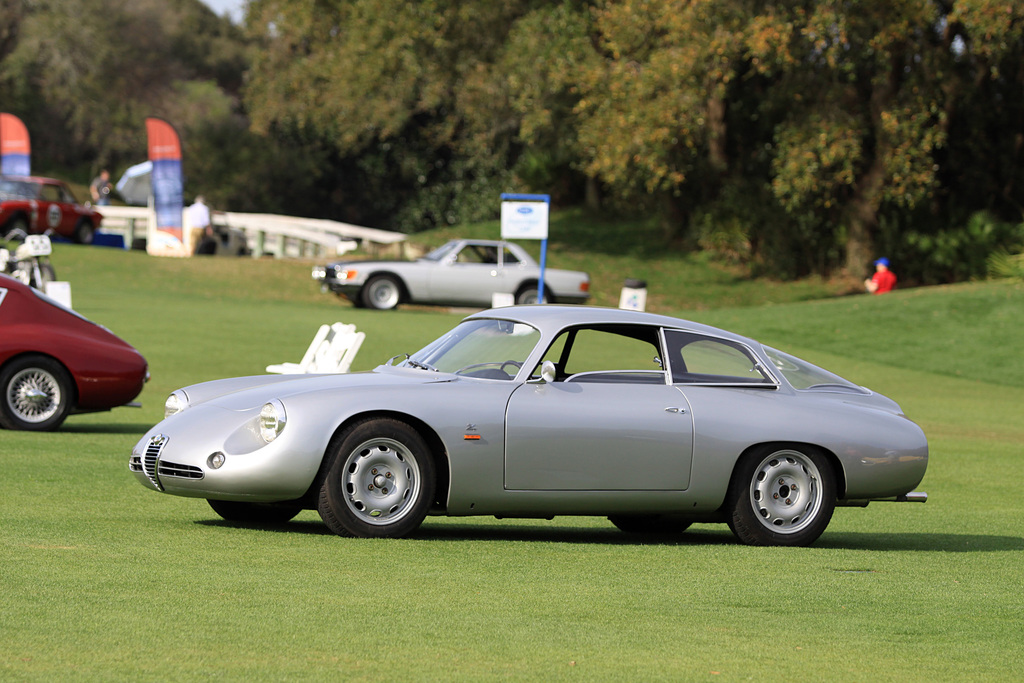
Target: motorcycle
{"x": 30, "y": 260}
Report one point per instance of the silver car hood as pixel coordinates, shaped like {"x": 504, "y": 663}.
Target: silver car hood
{"x": 242, "y": 393}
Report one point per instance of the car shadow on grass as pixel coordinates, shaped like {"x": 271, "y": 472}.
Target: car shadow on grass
{"x": 511, "y": 532}
{"x": 952, "y": 543}
{"x": 703, "y": 536}
{"x": 106, "y": 428}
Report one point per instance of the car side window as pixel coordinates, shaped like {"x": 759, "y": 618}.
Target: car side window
{"x": 509, "y": 259}
{"x": 50, "y": 193}
{"x": 478, "y": 253}
{"x": 699, "y": 359}
{"x": 607, "y": 354}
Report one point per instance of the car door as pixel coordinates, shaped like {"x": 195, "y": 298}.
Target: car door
{"x": 609, "y": 422}
{"x": 470, "y": 276}
{"x": 575, "y": 436}
{"x": 54, "y": 212}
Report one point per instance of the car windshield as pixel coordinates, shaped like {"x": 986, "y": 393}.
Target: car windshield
{"x": 441, "y": 252}
{"x": 803, "y": 375}
{"x": 483, "y": 348}
{"x": 18, "y": 188}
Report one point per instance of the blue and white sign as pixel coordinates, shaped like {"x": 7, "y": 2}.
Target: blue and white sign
{"x": 525, "y": 217}
{"x": 524, "y": 220}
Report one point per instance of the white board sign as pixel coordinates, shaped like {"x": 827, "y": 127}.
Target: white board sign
{"x": 524, "y": 220}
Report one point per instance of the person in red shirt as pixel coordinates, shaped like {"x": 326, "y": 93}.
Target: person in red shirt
{"x": 883, "y": 280}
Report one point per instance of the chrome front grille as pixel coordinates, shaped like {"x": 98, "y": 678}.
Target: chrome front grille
{"x": 173, "y": 469}
{"x": 150, "y": 464}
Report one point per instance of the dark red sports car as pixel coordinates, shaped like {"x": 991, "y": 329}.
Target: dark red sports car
{"x": 54, "y": 362}
{"x": 34, "y": 205}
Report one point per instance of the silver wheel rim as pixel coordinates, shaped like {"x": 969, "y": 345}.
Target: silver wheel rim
{"x": 381, "y": 481}
{"x": 34, "y": 395}
{"x": 785, "y": 492}
{"x": 529, "y": 297}
{"x": 384, "y": 294}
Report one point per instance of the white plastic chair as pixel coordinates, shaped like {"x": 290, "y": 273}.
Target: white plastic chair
{"x": 332, "y": 350}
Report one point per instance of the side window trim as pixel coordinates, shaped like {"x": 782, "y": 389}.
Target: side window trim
{"x": 772, "y": 380}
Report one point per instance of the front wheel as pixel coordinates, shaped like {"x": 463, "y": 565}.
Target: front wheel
{"x": 84, "y": 232}
{"x": 781, "y": 496}
{"x": 382, "y": 293}
{"x": 380, "y": 482}
{"x": 254, "y": 513}
{"x": 37, "y": 394}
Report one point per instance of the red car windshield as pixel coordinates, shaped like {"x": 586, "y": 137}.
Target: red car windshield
{"x": 18, "y": 188}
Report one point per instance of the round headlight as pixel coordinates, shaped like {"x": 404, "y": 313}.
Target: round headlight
{"x": 175, "y": 403}
{"x": 272, "y": 420}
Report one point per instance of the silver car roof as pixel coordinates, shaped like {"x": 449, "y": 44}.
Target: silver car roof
{"x": 550, "y": 317}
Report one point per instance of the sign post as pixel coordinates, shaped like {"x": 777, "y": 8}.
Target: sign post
{"x": 525, "y": 217}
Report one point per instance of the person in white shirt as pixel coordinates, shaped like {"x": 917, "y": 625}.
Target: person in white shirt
{"x": 199, "y": 220}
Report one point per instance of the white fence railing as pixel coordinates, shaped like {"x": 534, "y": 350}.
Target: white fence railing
{"x": 266, "y": 234}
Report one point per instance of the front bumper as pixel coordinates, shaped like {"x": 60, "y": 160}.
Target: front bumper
{"x": 177, "y": 457}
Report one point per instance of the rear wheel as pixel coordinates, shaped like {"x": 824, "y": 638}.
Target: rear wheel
{"x": 255, "y": 513}
{"x": 382, "y": 293}
{"x": 380, "y": 482}
{"x": 781, "y": 496}
{"x": 37, "y": 394}
{"x": 529, "y": 294}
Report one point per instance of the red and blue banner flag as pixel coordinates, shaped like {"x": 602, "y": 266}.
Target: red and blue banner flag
{"x": 15, "y": 150}
{"x": 168, "y": 188}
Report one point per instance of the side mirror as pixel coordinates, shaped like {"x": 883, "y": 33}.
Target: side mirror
{"x": 547, "y": 372}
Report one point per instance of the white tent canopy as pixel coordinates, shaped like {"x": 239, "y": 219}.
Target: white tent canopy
{"x": 135, "y": 186}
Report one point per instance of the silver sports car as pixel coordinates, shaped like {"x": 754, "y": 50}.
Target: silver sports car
{"x": 459, "y": 273}
{"x": 536, "y": 411}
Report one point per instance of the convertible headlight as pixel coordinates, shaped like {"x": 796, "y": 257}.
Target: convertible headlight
{"x": 175, "y": 403}
{"x": 272, "y": 420}
{"x": 319, "y": 272}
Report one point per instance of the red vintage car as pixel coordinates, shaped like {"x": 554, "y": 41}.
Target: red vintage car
{"x": 36, "y": 205}
{"x": 54, "y": 362}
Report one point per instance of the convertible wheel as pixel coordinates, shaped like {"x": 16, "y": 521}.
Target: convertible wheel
{"x": 649, "y": 524}
{"x": 380, "y": 482}
{"x": 37, "y": 394}
{"x": 254, "y": 513}
{"x": 382, "y": 293}
{"x": 781, "y": 496}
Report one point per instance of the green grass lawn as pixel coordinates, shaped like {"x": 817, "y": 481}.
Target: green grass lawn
{"x": 104, "y": 580}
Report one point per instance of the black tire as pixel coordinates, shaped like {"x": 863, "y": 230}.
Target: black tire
{"x": 781, "y": 495}
{"x": 380, "y": 482}
{"x": 381, "y": 292}
{"x": 255, "y": 513}
{"x": 47, "y": 274}
{"x": 84, "y": 232}
{"x": 16, "y": 229}
{"x": 649, "y": 524}
{"x": 527, "y": 294}
{"x": 37, "y": 394}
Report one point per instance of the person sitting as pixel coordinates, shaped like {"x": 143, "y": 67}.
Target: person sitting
{"x": 884, "y": 280}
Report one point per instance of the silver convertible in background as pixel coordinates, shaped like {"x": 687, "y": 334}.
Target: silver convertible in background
{"x": 459, "y": 273}
{"x": 536, "y": 411}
